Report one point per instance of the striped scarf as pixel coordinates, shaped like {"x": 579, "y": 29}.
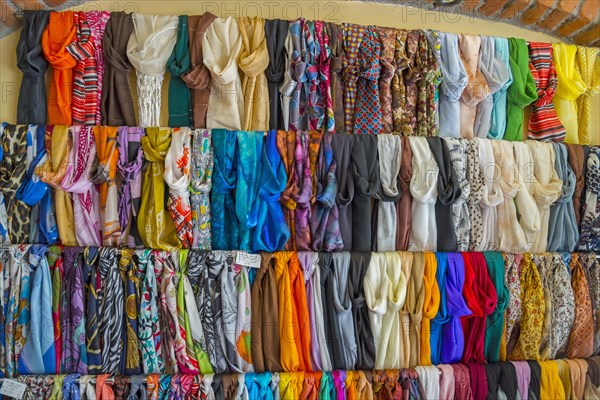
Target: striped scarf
{"x": 111, "y": 311}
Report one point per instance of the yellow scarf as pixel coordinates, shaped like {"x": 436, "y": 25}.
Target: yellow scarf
{"x": 589, "y": 68}
{"x": 551, "y": 386}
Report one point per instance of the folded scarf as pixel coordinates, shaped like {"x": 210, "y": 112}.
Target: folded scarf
{"x": 225, "y": 230}
{"x": 589, "y": 230}
{"x": 178, "y": 64}
{"x": 453, "y": 85}
{"x": 129, "y": 168}
{"x": 341, "y": 145}
{"x": 570, "y": 86}
{"x": 367, "y": 112}
{"x": 215, "y": 266}
{"x": 117, "y": 104}
{"x": 498, "y": 117}
{"x": 389, "y": 152}
{"x": 365, "y": 168}
{"x": 477, "y": 88}
{"x": 57, "y": 36}
{"x": 275, "y": 33}
{"x": 529, "y": 214}
{"x": 335, "y": 33}
{"x": 352, "y": 41}
{"x": 150, "y": 45}
{"x": 97, "y": 21}
{"x": 258, "y": 386}
{"x": 332, "y": 330}
{"x": 593, "y": 277}
{"x": 201, "y": 184}
{"x": 522, "y": 92}
{"x": 589, "y": 68}
{"x": 249, "y": 154}
{"x": 31, "y": 105}
{"x": 155, "y": 225}
{"x": 543, "y": 121}
{"x": 221, "y": 47}
{"x": 495, "y": 320}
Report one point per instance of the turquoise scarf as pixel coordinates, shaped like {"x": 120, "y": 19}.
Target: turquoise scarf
{"x": 249, "y": 153}
{"x": 178, "y": 64}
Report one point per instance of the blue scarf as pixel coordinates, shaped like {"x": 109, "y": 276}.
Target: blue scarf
{"x": 498, "y": 119}
{"x": 455, "y": 81}
{"x": 249, "y": 163}
{"x": 71, "y": 390}
{"x": 442, "y": 316}
{"x": 259, "y": 386}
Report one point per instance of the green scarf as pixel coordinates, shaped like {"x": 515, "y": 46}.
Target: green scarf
{"x": 495, "y": 321}
{"x": 522, "y": 92}
{"x": 178, "y": 64}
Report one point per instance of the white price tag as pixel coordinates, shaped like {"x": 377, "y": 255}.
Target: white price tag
{"x": 248, "y": 260}
{"x": 12, "y": 388}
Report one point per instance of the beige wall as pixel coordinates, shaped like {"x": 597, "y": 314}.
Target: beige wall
{"x": 335, "y": 11}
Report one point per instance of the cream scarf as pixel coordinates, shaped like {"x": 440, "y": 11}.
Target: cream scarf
{"x": 415, "y": 299}
{"x": 375, "y": 286}
{"x": 390, "y": 153}
{"x": 529, "y": 215}
{"x": 423, "y": 187}
{"x": 548, "y": 189}
{"x": 148, "y": 49}
{"x": 492, "y": 197}
{"x": 221, "y": 47}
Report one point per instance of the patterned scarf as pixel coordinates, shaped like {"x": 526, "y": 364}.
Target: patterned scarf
{"x": 460, "y": 210}
{"x": 201, "y": 184}
{"x": 286, "y": 144}
{"x": 592, "y": 274}
{"x": 215, "y": 265}
{"x": 57, "y": 388}
{"x": 71, "y": 389}
{"x": 313, "y": 108}
{"x": 590, "y": 237}
{"x": 353, "y": 38}
{"x": 21, "y": 317}
{"x": 427, "y": 98}
{"x": 335, "y": 33}
{"x": 129, "y": 275}
{"x": 303, "y": 193}
{"x": 367, "y": 113}
{"x": 581, "y": 340}
{"x": 84, "y": 101}
{"x": 249, "y": 155}
{"x": 297, "y": 53}
{"x": 165, "y": 349}
{"x": 73, "y": 321}
{"x": 401, "y": 63}
{"x": 55, "y": 262}
{"x": 93, "y": 285}
{"x": 111, "y": 315}
{"x": 129, "y": 168}
{"x": 388, "y": 70}
{"x": 178, "y": 64}
{"x": 323, "y": 61}
{"x": 97, "y": 21}
{"x": 589, "y": 69}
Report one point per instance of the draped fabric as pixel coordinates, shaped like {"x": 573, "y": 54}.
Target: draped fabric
{"x": 58, "y": 35}
{"x": 275, "y": 34}
{"x": 116, "y": 103}
{"x": 221, "y": 47}
{"x": 201, "y": 183}
{"x": 495, "y": 323}
{"x": 97, "y": 21}
{"x": 311, "y": 101}
{"x": 498, "y": 118}
{"x": 415, "y": 297}
{"x": 332, "y": 331}
{"x": 155, "y": 225}
{"x": 460, "y": 210}
{"x": 543, "y": 121}
{"x": 365, "y": 168}
{"x": 150, "y": 45}
{"x": 389, "y": 151}
{"x": 104, "y": 175}
{"x": 178, "y": 64}
{"x": 353, "y": 36}
{"x": 341, "y": 145}
{"x": 343, "y": 311}
{"x": 512, "y": 270}
{"x": 92, "y": 286}
{"x": 410, "y": 79}
{"x": 249, "y": 165}
{"x": 570, "y": 86}
{"x": 589, "y": 69}
{"x": 225, "y": 233}
{"x": 563, "y": 232}
{"x": 31, "y": 104}
{"x": 293, "y": 89}
{"x": 477, "y": 88}
{"x": 521, "y": 92}
{"x": 253, "y": 61}
{"x": 529, "y": 213}
{"x": 589, "y": 223}
{"x": 128, "y": 271}
{"x": 307, "y": 150}
{"x": 476, "y": 192}
{"x": 388, "y": 70}
{"x": 367, "y": 111}
{"x": 453, "y": 85}
{"x": 129, "y": 168}
{"x": 72, "y": 316}
{"x": 592, "y": 274}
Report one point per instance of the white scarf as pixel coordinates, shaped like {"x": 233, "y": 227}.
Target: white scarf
{"x": 177, "y": 177}
{"x": 460, "y": 209}
{"x": 375, "y": 286}
{"x": 492, "y": 197}
{"x": 149, "y": 47}
{"x": 390, "y": 154}
{"x": 430, "y": 379}
{"x": 289, "y": 84}
{"x": 452, "y": 86}
{"x": 221, "y": 47}
{"x": 529, "y": 215}
{"x": 406, "y": 264}
{"x": 389, "y": 350}
{"x": 423, "y": 187}
{"x": 548, "y": 189}
{"x": 86, "y": 388}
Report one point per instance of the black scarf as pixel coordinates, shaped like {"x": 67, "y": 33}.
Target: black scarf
{"x": 365, "y": 359}
{"x": 342, "y": 152}
{"x": 276, "y": 31}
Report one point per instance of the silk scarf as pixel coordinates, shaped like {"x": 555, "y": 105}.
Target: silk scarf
{"x": 288, "y": 86}
{"x": 92, "y": 287}
{"x": 275, "y": 34}
{"x": 312, "y": 108}
{"x": 286, "y": 144}
{"x": 367, "y": 111}
{"x": 326, "y": 119}
{"x": 215, "y": 266}
{"x": 530, "y": 220}
{"x": 201, "y": 184}
{"x": 494, "y": 323}
{"x": 74, "y": 356}
{"x": 97, "y": 21}
{"x": 388, "y": 70}
{"x": 453, "y": 85}
{"x": 498, "y": 118}
{"x": 460, "y": 210}
{"x": 225, "y": 231}
{"x": 128, "y": 271}
{"x": 301, "y": 314}
{"x": 477, "y": 88}
{"x": 491, "y": 199}
{"x": 404, "y": 211}
{"x": 249, "y": 157}
{"x": 431, "y": 305}
{"x": 335, "y": 33}
{"x": 129, "y": 168}
{"x": 178, "y": 64}
{"x": 111, "y": 320}
{"x": 415, "y": 297}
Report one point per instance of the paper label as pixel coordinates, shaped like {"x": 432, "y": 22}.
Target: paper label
{"x": 12, "y": 388}
{"x": 248, "y": 260}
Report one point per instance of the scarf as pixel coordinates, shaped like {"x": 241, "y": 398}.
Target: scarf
{"x": 177, "y": 177}
{"x": 116, "y": 104}
{"x": 225, "y": 231}
{"x": 460, "y": 210}
{"x": 325, "y": 229}
{"x": 353, "y": 36}
{"x": 215, "y": 266}
{"x": 104, "y": 390}
{"x": 323, "y": 62}
{"x": 551, "y": 386}
{"x": 495, "y": 321}
{"x": 543, "y": 121}
{"x": 430, "y": 79}
{"x": 589, "y": 231}
{"x": 388, "y": 70}
{"x": 534, "y": 385}
{"x": 300, "y": 313}
{"x": 341, "y": 145}
{"x": 404, "y": 208}
{"x": 275, "y": 34}
{"x": 365, "y": 168}
{"x": 522, "y": 92}
{"x": 453, "y": 85}
{"x": 253, "y": 60}
{"x": 295, "y": 88}
{"x": 74, "y": 357}
{"x": 410, "y": 79}
{"x": 313, "y": 107}
{"x": 250, "y": 146}
{"x": 286, "y": 144}
{"x": 129, "y": 168}
{"x": 592, "y": 274}
{"x": 343, "y": 312}
{"x": 258, "y": 386}
{"x": 85, "y": 78}
{"x": 446, "y": 373}
{"x": 97, "y": 21}
{"x": 424, "y": 190}
{"x": 512, "y": 269}
{"x": 129, "y": 275}
{"x": 562, "y": 307}
{"x": 201, "y": 183}
{"x": 333, "y": 334}
{"x": 288, "y": 86}
{"x": 32, "y": 103}
{"x": 271, "y": 233}
{"x": 150, "y": 45}
{"x": 563, "y": 232}
{"x": 523, "y": 376}
{"x": 581, "y": 340}
{"x": 156, "y": 227}
{"x": 391, "y": 349}
{"x": 430, "y": 379}
{"x": 415, "y": 297}
{"x": 111, "y": 318}
{"x": 577, "y": 156}
{"x": 477, "y": 89}
{"x": 367, "y": 113}
{"x": 84, "y": 194}
{"x": 221, "y": 48}
{"x": 104, "y": 174}
{"x": 92, "y": 288}
{"x": 477, "y": 189}
{"x": 335, "y": 33}
{"x": 498, "y": 117}
{"x": 389, "y": 151}
{"x": 496, "y": 73}
{"x": 431, "y": 305}
{"x": 530, "y": 218}
{"x": 590, "y": 75}
{"x": 312, "y": 384}
{"x": 365, "y": 357}
{"x": 178, "y": 64}
{"x": 491, "y": 198}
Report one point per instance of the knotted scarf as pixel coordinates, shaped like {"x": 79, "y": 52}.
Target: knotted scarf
{"x": 300, "y": 313}
{"x": 111, "y": 319}
{"x": 58, "y": 35}
{"x": 104, "y": 390}
{"x": 589, "y": 69}
{"x": 221, "y": 47}
{"x": 551, "y": 386}
{"x": 178, "y": 64}
{"x": 129, "y": 168}
{"x": 570, "y": 87}
{"x": 390, "y": 153}
{"x": 271, "y": 233}
{"x": 323, "y": 62}
{"x": 367, "y": 113}
{"x": 365, "y": 168}
{"x": 275, "y": 34}
{"x": 31, "y": 105}
{"x": 93, "y": 285}
{"x": 294, "y": 85}
{"x": 150, "y": 45}
{"x": 335, "y": 33}
{"x": 365, "y": 358}
{"x": 74, "y": 357}
{"x": 155, "y": 225}
{"x": 491, "y": 199}
{"x": 249, "y": 165}
{"x": 55, "y": 262}
{"x": 312, "y": 384}
{"x": 581, "y": 340}
{"x": 415, "y": 297}
{"x": 529, "y": 215}
{"x": 104, "y": 175}
{"x": 137, "y": 390}
{"x": 453, "y": 85}
{"x": 84, "y": 101}
{"x": 177, "y": 177}
{"x": 431, "y": 305}
{"x": 495, "y": 321}
{"x": 86, "y": 208}
{"x": 404, "y": 210}
{"x": 225, "y": 234}
{"x": 352, "y": 40}
{"x": 343, "y": 311}
{"x": 388, "y": 70}
{"x": 498, "y": 118}
{"x": 477, "y": 89}
{"x": 562, "y": 306}
{"x": 286, "y": 144}
{"x": 201, "y": 184}
{"x": 16, "y": 277}
{"x": 428, "y": 84}
{"x": 307, "y": 150}
{"x": 496, "y": 72}
{"x": 97, "y": 21}
{"x": 589, "y": 240}
{"x": 253, "y": 60}
{"x": 424, "y": 190}
{"x": 543, "y": 121}
{"x": 129, "y": 275}
{"x": 258, "y": 386}
{"x": 522, "y": 92}
{"x": 117, "y": 105}
{"x": 215, "y": 264}
{"x": 341, "y": 145}
{"x": 325, "y": 229}
{"x": 458, "y": 149}
{"x": 462, "y": 379}
{"x": 312, "y": 109}
{"x": 476, "y": 192}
